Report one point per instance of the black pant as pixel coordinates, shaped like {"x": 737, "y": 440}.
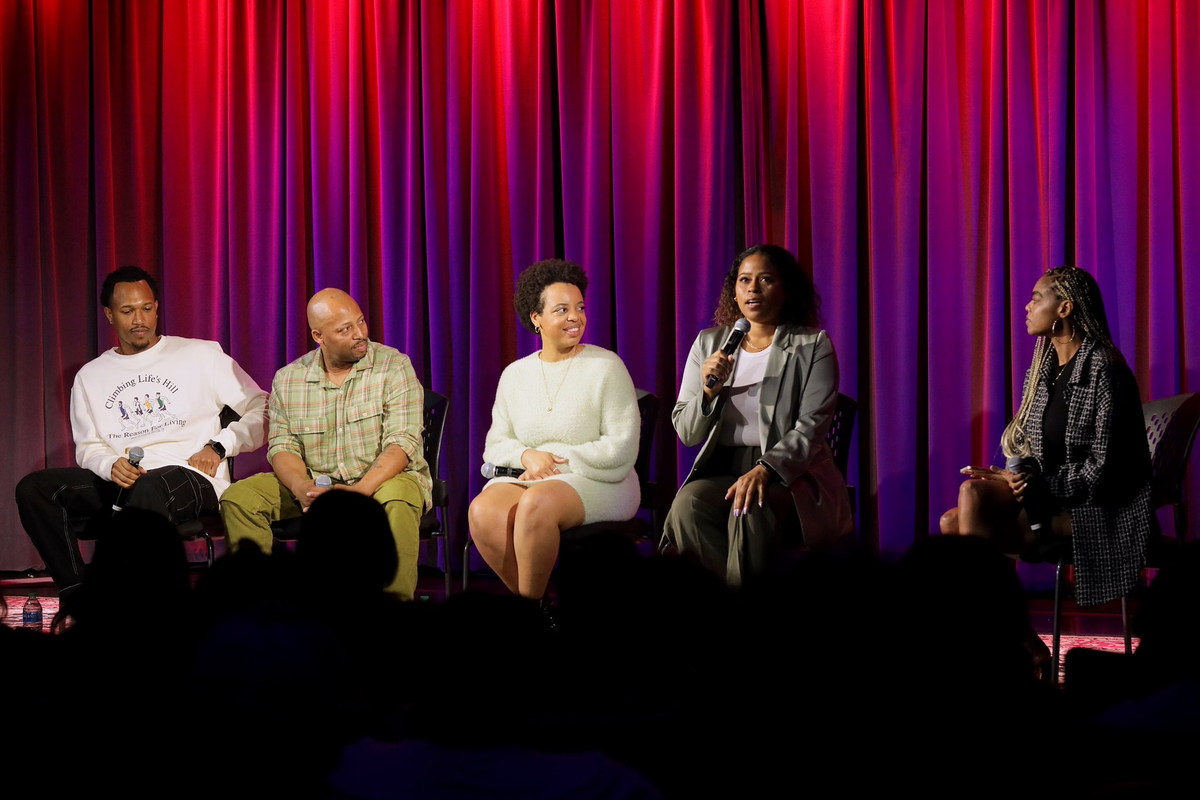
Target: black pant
{"x": 55, "y": 503}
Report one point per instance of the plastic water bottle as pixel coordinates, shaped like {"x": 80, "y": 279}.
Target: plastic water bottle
{"x": 31, "y": 614}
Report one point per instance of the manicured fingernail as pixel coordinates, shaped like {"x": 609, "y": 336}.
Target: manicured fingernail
{"x": 760, "y": 503}
{"x": 737, "y": 511}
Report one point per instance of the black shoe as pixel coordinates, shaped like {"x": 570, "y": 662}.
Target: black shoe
{"x": 548, "y": 614}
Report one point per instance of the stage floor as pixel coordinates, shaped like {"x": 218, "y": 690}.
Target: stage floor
{"x": 1100, "y": 621}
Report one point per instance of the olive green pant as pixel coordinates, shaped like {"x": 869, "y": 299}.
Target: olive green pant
{"x": 701, "y": 521}
{"x": 249, "y": 506}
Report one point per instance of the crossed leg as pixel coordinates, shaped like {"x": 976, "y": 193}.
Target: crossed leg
{"x": 987, "y": 508}
{"x": 516, "y": 530}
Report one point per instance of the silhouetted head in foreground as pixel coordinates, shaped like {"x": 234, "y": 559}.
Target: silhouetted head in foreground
{"x": 346, "y": 541}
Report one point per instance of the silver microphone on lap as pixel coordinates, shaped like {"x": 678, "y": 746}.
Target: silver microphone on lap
{"x": 490, "y": 471}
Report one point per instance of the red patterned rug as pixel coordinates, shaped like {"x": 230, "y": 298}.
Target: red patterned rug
{"x": 1111, "y": 644}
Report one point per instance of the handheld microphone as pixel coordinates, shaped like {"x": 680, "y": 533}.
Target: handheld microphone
{"x": 135, "y": 456}
{"x": 740, "y": 329}
{"x": 490, "y": 471}
{"x": 1034, "y": 507}
{"x": 324, "y": 481}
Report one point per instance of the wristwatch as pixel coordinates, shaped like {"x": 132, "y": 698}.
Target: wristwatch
{"x": 218, "y": 448}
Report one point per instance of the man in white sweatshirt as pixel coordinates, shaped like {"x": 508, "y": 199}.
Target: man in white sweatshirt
{"x": 163, "y": 394}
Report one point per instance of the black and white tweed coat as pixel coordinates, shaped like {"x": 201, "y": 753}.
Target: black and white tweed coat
{"x": 1105, "y": 480}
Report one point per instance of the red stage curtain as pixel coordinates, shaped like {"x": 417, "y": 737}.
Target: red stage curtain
{"x": 927, "y": 160}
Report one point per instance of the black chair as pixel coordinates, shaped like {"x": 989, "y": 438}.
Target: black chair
{"x": 841, "y": 427}
{"x": 1171, "y": 425}
{"x": 207, "y": 527}
{"x": 634, "y": 529}
{"x": 433, "y": 523}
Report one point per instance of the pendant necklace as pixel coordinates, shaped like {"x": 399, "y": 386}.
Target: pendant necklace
{"x": 549, "y": 399}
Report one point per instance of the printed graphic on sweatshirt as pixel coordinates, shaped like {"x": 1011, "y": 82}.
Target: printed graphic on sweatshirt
{"x": 142, "y": 405}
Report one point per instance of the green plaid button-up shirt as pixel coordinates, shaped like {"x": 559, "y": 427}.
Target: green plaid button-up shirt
{"x": 340, "y": 430}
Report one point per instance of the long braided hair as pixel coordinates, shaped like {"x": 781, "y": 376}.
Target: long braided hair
{"x": 1088, "y": 317}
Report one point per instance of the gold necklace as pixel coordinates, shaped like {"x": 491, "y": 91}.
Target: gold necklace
{"x": 755, "y": 348}
{"x": 1063, "y": 369}
{"x": 550, "y": 400}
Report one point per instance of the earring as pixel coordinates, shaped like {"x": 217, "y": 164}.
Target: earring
{"x": 537, "y": 330}
{"x": 1054, "y": 327}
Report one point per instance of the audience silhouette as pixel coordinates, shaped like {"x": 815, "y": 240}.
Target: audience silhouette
{"x": 835, "y": 672}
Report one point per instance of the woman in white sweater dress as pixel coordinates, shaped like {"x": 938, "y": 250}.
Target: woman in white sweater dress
{"x": 567, "y": 415}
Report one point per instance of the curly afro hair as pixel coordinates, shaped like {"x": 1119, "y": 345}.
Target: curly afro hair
{"x": 803, "y": 304}
{"x": 536, "y": 277}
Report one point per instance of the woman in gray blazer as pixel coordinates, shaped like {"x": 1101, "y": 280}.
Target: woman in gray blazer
{"x": 765, "y": 478}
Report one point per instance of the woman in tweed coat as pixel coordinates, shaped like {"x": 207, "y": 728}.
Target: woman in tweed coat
{"x": 1080, "y": 427}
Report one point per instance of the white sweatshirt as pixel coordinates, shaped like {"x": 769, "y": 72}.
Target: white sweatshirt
{"x": 166, "y": 400}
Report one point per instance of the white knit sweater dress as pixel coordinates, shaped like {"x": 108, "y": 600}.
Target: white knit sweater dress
{"x": 594, "y": 424}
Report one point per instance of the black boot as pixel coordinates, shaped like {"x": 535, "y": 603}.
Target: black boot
{"x": 548, "y": 614}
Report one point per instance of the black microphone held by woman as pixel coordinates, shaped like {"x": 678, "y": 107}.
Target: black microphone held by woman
{"x": 740, "y": 329}
{"x": 1035, "y": 508}
{"x": 759, "y": 392}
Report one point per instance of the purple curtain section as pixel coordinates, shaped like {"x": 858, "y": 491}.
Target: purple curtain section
{"x": 926, "y": 161}
{"x": 699, "y": 140}
{"x": 1136, "y": 181}
{"x": 46, "y": 252}
{"x": 798, "y": 76}
{"x": 1180, "y": 368}
{"x": 895, "y": 52}
{"x": 964, "y": 231}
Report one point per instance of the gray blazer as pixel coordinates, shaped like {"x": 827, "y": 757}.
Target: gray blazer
{"x": 796, "y": 404}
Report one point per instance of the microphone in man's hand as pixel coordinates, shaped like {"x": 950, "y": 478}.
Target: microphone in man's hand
{"x": 490, "y": 471}
{"x": 1035, "y": 507}
{"x": 740, "y": 329}
{"x": 134, "y": 457}
{"x": 321, "y": 482}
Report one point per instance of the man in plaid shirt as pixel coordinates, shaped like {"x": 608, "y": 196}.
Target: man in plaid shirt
{"x": 352, "y": 410}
